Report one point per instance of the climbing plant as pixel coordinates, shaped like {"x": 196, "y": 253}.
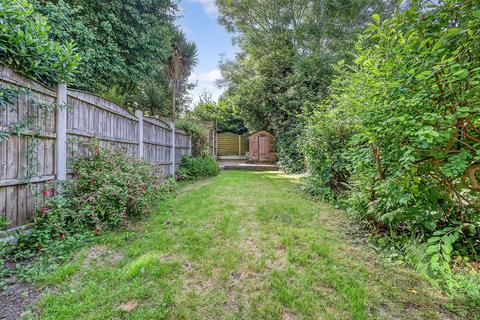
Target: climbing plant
{"x": 27, "y": 47}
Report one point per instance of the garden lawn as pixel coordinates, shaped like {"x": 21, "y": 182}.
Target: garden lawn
{"x": 243, "y": 245}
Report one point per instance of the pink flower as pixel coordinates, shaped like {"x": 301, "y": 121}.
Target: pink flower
{"x": 43, "y": 211}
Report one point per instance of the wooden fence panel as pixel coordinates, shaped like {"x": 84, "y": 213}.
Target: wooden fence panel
{"x": 90, "y": 116}
{"x": 232, "y": 145}
{"x": 27, "y": 160}
{"x": 157, "y": 140}
{"x": 182, "y": 146}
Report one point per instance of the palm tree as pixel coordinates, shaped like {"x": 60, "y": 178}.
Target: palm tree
{"x": 177, "y": 70}
{"x": 153, "y": 97}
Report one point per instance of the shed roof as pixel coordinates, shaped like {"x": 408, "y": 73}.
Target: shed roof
{"x": 261, "y": 132}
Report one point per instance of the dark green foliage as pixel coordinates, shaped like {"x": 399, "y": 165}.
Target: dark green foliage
{"x": 288, "y": 151}
{"x": 199, "y": 133}
{"x": 154, "y": 97}
{"x": 192, "y": 168}
{"x": 224, "y": 114}
{"x": 27, "y": 45}
{"x": 122, "y": 42}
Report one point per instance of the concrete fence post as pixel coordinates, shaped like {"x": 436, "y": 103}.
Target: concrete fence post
{"x": 139, "y": 115}
{"x": 190, "y": 146}
{"x": 61, "y": 131}
{"x": 173, "y": 150}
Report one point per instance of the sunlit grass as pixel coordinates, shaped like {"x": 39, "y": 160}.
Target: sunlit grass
{"x": 243, "y": 245}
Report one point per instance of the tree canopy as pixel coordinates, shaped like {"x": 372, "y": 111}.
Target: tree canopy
{"x": 124, "y": 44}
{"x": 223, "y": 114}
{"x": 285, "y": 64}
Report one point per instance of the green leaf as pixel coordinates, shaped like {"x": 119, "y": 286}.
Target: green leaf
{"x": 432, "y": 249}
{"x": 434, "y": 239}
{"x": 461, "y": 74}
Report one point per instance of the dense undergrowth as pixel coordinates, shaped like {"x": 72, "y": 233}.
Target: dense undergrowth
{"x": 109, "y": 191}
{"x": 397, "y": 144}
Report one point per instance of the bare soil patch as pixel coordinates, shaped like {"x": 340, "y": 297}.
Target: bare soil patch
{"x": 15, "y": 299}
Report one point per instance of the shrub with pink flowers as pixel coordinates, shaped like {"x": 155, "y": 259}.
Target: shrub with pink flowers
{"x": 109, "y": 189}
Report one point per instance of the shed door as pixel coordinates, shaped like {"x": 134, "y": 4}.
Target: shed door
{"x": 263, "y": 148}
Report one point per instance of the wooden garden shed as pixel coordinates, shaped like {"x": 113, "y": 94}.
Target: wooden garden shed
{"x": 261, "y": 147}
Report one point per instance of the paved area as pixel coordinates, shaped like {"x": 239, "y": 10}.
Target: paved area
{"x": 244, "y": 165}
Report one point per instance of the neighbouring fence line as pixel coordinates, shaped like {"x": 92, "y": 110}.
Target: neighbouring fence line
{"x": 60, "y": 137}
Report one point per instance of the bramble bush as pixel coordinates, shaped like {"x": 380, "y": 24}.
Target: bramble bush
{"x": 192, "y": 168}
{"x": 398, "y": 142}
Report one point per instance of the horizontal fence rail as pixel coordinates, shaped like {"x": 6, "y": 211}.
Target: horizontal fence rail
{"x": 43, "y": 152}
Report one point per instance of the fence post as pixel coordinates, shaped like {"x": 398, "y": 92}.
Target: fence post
{"x": 139, "y": 115}
{"x": 214, "y": 144}
{"x": 190, "y": 146}
{"x": 215, "y": 134}
{"x": 61, "y": 130}
{"x": 239, "y": 145}
{"x": 173, "y": 152}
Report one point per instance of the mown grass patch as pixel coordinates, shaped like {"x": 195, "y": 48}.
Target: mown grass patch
{"x": 242, "y": 245}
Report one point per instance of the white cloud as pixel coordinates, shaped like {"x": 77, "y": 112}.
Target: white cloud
{"x": 205, "y": 82}
{"x": 210, "y": 76}
{"x": 209, "y": 7}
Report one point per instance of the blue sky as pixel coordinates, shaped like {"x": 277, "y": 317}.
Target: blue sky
{"x": 199, "y": 22}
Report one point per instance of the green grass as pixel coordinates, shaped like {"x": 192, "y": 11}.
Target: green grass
{"x": 243, "y": 245}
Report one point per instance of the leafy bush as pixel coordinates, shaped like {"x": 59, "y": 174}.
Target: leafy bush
{"x": 323, "y": 142}
{"x": 400, "y": 138}
{"x": 26, "y": 45}
{"x": 109, "y": 189}
{"x": 197, "y": 167}
{"x": 121, "y": 41}
{"x": 288, "y": 151}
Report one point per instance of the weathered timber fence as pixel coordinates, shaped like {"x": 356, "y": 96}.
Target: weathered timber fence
{"x": 27, "y": 168}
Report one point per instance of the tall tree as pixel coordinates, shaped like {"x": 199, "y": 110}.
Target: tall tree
{"x": 177, "y": 70}
{"x": 285, "y": 64}
{"x": 121, "y": 41}
{"x": 179, "y": 65}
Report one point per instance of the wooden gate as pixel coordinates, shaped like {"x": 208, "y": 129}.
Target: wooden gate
{"x": 231, "y": 145}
